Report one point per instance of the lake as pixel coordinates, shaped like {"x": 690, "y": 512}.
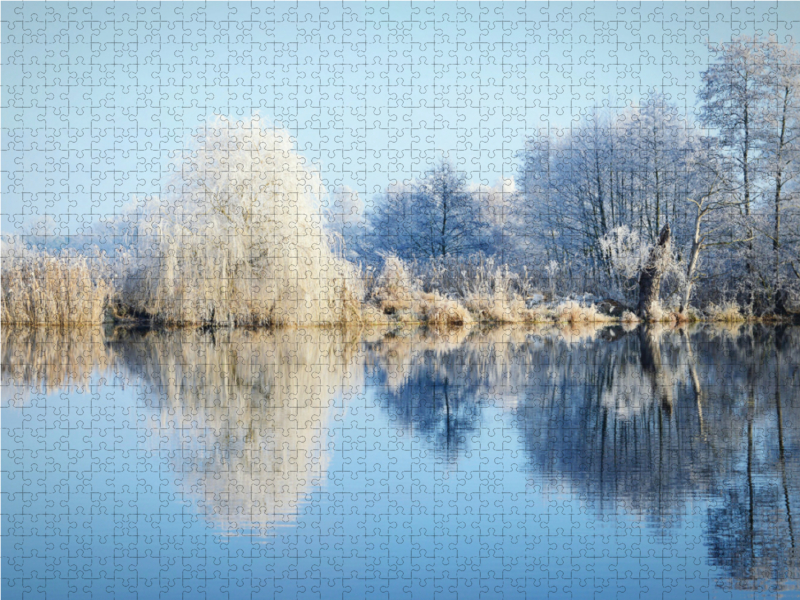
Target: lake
{"x": 483, "y": 463}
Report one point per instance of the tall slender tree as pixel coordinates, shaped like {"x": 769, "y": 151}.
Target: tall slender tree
{"x": 782, "y": 119}
{"x": 733, "y": 100}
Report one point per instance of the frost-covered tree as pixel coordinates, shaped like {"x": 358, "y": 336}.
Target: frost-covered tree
{"x": 780, "y": 146}
{"x": 498, "y": 210}
{"x": 627, "y": 252}
{"x": 733, "y": 99}
{"x": 749, "y": 100}
{"x": 436, "y": 216}
{"x": 236, "y": 236}
{"x": 391, "y": 224}
{"x": 713, "y": 204}
{"x": 611, "y": 170}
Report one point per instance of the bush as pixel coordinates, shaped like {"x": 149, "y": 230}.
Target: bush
{"x": 394, "y": 288}
{"x": 575, "y": 312}
{"x": 726, "y": 312}
{"x": 443, "y": 312}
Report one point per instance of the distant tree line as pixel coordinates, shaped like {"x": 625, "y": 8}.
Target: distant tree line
{"x": 589, "y": 200}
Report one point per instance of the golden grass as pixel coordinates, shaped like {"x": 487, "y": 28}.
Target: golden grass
{"x": 571, "y": 311}
{"x": 397, "y": 294}
{"x": 394, "y": 287}
{"x": 443, "y": 312}
{"x": 501, "y": 308}
{"x": 687, "y": 316}
{"x": 726, "y": 312}
{"x": 41, "y": 289}
{"x": 177, "y": 282}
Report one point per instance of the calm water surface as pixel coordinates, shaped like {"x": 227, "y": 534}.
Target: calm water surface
{"x": 513, "y": 463}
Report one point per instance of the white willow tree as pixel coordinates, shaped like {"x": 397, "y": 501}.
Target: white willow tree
{"x": 237, "y": 237}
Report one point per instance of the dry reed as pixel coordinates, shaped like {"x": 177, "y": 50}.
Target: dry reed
{"x": 42, "y": 289}
{"x": 576, "y": 312}
{"x": 443, "y": 312}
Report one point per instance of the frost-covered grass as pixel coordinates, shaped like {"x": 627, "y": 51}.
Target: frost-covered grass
{"x": 57, "y": 290}
{"x": 189, "y": 284}
{"x": 399, "y": 295}
{"x": 451, "y": 291}
{"x": 571, "y": 311}
{"x": 394, "y": 289}
{"x": 443, "y": 312}
{"x": 725, "y": 312}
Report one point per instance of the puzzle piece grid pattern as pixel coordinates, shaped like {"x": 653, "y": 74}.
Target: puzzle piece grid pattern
{"x": 107, "y": 489}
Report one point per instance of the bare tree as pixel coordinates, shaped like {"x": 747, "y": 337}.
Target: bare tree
{"x": 732, "y": 103}
{"x": 711, "y": 199}
{"x": 611, "y": 171}
{"x": 435, "y": 216}
{"x": 782, "y": 88}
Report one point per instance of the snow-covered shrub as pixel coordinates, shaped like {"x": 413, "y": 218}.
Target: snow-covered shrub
{"x": 626, "y": 252}
{"x": 394, "y": 286}
{"x": 726, "y": 312}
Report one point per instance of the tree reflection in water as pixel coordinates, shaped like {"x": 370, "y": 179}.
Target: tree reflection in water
{"x": 655, "y": 422}
{"x": 244, "y": 415}
{"x": 646, "y": 421}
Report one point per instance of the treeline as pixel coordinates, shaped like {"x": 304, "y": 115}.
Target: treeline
{"x": 244, "y": 232}
{"x": 589, "y": 201}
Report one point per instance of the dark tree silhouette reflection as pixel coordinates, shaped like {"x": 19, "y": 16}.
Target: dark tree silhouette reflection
{"x": 646, "y": 421}
{"x": 667, "y": 416}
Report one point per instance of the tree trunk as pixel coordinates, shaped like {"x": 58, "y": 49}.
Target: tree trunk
{"x": 694, "y": 255}
{"x": 653, "y": 366}
{"x": 650, "y": 277}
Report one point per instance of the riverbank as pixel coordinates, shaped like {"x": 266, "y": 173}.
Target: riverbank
{"x": 70, "y": 289}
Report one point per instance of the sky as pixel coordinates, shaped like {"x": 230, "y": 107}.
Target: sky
{"x": 97, "y": 97}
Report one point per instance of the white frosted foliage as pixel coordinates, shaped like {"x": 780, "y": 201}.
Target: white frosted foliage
{"x": 237, "y": 236}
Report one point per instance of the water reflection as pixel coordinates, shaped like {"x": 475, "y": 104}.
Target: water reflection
{"x": 243, "y": 415}
{"x": 42, "y": 361}
{"x": 660, "y": 423}
{"x": 641, "y": 422}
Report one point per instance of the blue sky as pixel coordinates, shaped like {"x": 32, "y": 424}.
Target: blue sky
{"x": 96, "y": 96}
